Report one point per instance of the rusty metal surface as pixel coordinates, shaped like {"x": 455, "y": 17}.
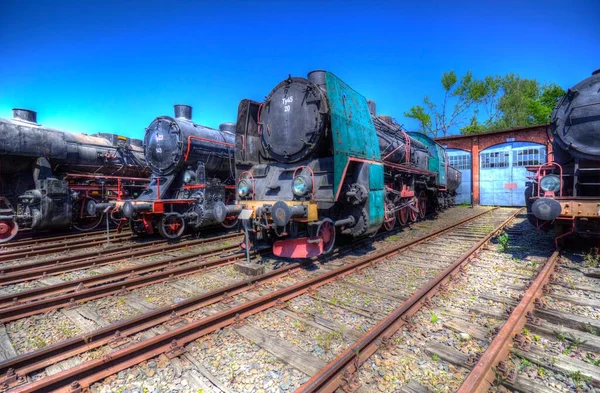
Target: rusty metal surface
{"x": 482, "y": 376}
{"x": 94, "y": 370}
{"x": 43, "y": 249}
{"x": 86, "y": 294}
{"x": 36, "y": 360}
{"x": 30, "y": 271}
{"x": 345, "y": 365}
{"x": 30, "y": 238}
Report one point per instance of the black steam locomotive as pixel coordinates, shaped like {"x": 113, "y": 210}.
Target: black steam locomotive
{"x": 47, "y": 177}
{"x": 192, "y": 169}
{"x": 565, "y": 192}
{"x": 315, "y": 160}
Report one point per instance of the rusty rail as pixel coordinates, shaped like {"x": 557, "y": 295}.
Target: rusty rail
{"x": 172, "y": 342}
{"x": 42, "y": 237}
{"x": 43, "y": 269}
{"x": 45, "y": 249}
{"x": 342, "y": 371}
{"x": 86, "y": 294}
{"x": 482, "y": 376}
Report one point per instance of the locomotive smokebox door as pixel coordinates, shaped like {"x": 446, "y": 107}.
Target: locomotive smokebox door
{"x": 293, "y": 105}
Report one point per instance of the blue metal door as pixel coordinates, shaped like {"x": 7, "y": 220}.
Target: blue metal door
{"x": 461, "y": 160}
{"x": 502, "y": 173}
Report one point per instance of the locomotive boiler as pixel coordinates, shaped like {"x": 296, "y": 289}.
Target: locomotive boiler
{"x": 314, "y": 160}
{"x": 48, "y": 176}
{"x": 192, "y": 170}
{"x": 565, "y": 192}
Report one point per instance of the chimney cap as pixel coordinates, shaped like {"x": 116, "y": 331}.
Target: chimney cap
{"x": 26, "y": 115}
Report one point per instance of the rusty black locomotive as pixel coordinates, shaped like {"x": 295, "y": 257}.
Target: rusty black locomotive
{"x": 565, "y": 192}
{"x": 192, "y": 169}
{"x": 48, "y": 177}
{"x": 314, "y": 160}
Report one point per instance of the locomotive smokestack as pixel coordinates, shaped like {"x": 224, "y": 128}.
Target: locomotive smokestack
{"x": 24, "y": 115}
{"x": 227, "y": 127}
{"x": 183, "y": 112}
{"x": 372, "y": 107}
{"x": 318, "y": 78}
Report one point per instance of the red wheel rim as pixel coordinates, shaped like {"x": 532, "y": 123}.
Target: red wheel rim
{"x": 422, "y": 204}
{"x": 389, "y": 219}
{"x": 413, "y": 215}
{"x": 8, "y": 230}
{"x": 81, "y": 220}
{"x": 327, "y": 233}
{"x": 403, "y": 215}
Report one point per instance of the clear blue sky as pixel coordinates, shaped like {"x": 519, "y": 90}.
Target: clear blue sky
{"x": 113, "y": 66}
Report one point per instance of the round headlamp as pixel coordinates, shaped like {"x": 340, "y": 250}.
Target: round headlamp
{"x": 243, "y": 188}
{"x": 188, "y": 176}
{"x": 301, "y": 185}
{"x": 550, "y": 183}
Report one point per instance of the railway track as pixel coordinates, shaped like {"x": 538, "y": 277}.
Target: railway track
{"x": 229, "y": 308}
{"x": 28, "y": 237}
{"x": 46, "y": 239}
{"x": 17, "y": 273}
{"x": 44, "y": 248}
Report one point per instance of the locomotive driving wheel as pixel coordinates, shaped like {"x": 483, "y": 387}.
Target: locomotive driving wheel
{"x": 82, "y": 221}
{"x": 422, "y": 204}
{"x": 171, "y": 226}
{"x": 326, "y": 231}
{"x": 389, "y": 218}
{"x": 413, "y": 214}
{"x": 403, "y": 214}
{"x": 8, "y": 230}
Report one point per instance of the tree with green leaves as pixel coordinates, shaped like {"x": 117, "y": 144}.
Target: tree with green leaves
{"x": 503, "y": 102}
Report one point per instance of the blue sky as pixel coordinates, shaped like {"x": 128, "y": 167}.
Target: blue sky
{"x": 112, "y": 66}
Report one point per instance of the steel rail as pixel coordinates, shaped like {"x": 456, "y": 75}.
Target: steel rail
{"x": 43, "y": 249}
{"x": 22, "y": 297}
{"x": 40, "y": 239}
{"x": 482, "y": 376}
{"x": 172, "y": 342}
{"x": 16, "y": 368}
{"x": 343, "y": 369}
{"x": 22, "y": 274}
{"x": 19, "y": 311}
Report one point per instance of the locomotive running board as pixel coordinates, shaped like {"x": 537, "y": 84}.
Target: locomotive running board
{"x": 299, "y": 247}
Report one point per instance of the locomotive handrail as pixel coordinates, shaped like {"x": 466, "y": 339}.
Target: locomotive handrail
{"x": 549, "y": 165}
{"x": 312, "y": 178}
{"x": 406, "y": 149}
{"x": 189, "y": 147}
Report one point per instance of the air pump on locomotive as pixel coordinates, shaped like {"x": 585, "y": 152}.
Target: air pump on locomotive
{"x": 47, "y": 176}
{"x": 565, "y": 192}
{"x": 314, "y": 160}
{"x": 192, "y": 169}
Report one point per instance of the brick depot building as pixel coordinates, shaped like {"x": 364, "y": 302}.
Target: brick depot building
{"x": 493, "y": 163}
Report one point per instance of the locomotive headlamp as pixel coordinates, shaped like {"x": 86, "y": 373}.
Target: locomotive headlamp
{"x": 188, "y": 176}
{"x": 301, "y": 185}
{"x": 243, "y": 188}
{"x": 550, "y": 183}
